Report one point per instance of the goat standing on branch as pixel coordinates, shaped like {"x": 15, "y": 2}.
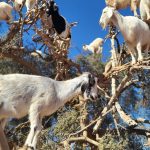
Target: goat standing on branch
{"x": 95, "y": 47}
{"x": 60, "y": 24}
{"x": 30, "y": 4}
{"x": 6, "y": 12}
{"x": 145, "y": 10}
{"x": 121, "y": 4}
{"x": 135, "y": 32}
{"x": 38, "y": 97}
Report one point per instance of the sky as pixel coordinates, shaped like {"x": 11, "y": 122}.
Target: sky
{"x": 87, "y": 13}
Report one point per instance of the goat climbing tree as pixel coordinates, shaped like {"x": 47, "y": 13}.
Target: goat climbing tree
{"x": 113, "y": 105}
{"x": 120, "y": 77}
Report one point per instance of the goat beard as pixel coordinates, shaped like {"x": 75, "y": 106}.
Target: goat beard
{"x": 104, "y": 25}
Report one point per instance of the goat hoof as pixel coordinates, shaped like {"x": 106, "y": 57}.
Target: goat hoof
{"x": 133, "y": 63}
{"x": 140, "y": 61}
{"x": 30, "y": 148}
{"x": 25, "y": 147}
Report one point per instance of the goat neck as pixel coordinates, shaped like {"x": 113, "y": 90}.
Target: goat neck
{"x": 69, "y": 89}
{"x": 118, "y": 20}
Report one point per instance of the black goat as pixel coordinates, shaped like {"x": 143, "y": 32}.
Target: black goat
{"x": 59, "y": 22}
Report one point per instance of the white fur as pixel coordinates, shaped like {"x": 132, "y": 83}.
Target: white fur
{"x": 145, "y": 9}
{"x": 6, "y": 12}
{"x": 38, "y": 96}
{"x": 95, "y": 46}
{"x": 30, "y": 4}
{"x": 135, "y": 32}
{"x": 121, "y": 4}
{"x": 39, "y": 53}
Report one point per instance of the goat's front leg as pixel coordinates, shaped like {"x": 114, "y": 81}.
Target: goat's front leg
{"x": 38, "y": 130}
{"x": 147, "y": 12}
{"x": 132, "y": 53}
{"x": 134, "y": 4}
{"x": 35, "y": 127}
{"x": 147, "y": 51}
{"x": 99, "y": 50}
{"x": 139, "y": 50}
{"x": 3, "y": 123}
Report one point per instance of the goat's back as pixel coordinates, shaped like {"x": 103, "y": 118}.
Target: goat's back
{"x": 135, "y": 30}
{"x": 120, "y": 4}
{"x": 18, "y": 92}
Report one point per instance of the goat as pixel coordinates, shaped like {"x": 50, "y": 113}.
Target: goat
{"x": 39, "y": 54}
{"x": 121, "y": 4}
{"x": 145, "y": 10}
{"x": 95, "y": 46}
{"x": 40, "y": 96}
{"x": 30, "y": 4}
{"x": 135, "y": 32}
{"x": 60, "y": 24}
{"x": 6, "y": 12}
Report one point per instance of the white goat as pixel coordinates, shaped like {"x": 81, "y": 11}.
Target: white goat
{"x": 135, "y": 32}
{"x": 40, "y": 96}
{"x": 29, "y": 4}
{"x": 95, "y": 46}
{"x": 5, "y": 12}
{"x": 145, "y": 10}
{"x": 121, "y": 4}
{"x": 38, "y": 54}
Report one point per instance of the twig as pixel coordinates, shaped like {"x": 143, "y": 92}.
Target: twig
{"x": 126, "y": 118}
{"x": 102, "y": 90}
{"x": 115, "y": 121}
{"x": 142, "y": 120}
{"x": 112, "y": 100}
{"x": 82, "y": 139}
{"x": 93, "y": 122}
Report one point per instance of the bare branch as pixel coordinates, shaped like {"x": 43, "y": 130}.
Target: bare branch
{"x": 112, "y": 100}
{"x": 73, "y": 139}
{"x": 126, "y": 118}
